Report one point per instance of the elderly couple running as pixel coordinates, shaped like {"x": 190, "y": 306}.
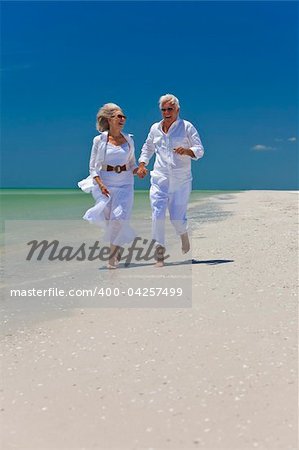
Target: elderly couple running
{"x": 113, "y": 165}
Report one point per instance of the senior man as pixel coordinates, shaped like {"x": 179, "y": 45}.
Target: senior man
{"x": 175, "y": 142}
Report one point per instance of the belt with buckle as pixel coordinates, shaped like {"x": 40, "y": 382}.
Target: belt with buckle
{"x": 117, "y": 169}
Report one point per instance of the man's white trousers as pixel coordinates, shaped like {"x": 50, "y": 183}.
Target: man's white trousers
{"x": 168, "y": 192}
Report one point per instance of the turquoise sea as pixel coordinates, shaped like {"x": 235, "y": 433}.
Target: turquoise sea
{"x": 43, "y": 204}
{"x": 71, "y": 204}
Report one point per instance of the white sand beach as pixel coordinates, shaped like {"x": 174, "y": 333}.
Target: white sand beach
{"x": 220, "y": 375}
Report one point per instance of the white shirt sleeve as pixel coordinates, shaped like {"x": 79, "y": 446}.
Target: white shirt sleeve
{"x": 96, "y": 157}
{"x": 196, "y": 145}
{"x": 148, "y": 148}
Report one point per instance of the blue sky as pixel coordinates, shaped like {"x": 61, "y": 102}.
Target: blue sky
{"x": 233, "y": 65}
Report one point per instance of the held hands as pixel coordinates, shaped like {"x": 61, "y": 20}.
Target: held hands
{"x": 141, "y": 171}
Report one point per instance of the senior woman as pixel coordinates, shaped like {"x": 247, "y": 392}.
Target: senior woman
{"x": 111, "y": 181}
{"x": 175, "y": 143}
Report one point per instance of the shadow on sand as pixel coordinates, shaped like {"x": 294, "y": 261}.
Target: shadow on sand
{"x": 211, "y": 262}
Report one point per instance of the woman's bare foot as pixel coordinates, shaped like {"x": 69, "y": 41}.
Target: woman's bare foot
{"x": 115, "y": 256}
{"x": 159, "y": 264}
{"x": 159, "y": 256}
{"x": 185, "y": 243}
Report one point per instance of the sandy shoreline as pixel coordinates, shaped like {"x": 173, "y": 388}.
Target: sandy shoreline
{"x": 220, "y": 375}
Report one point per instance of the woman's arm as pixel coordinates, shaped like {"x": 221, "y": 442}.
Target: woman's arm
{"x": 96, "y": 160}
{"x": 94, "y": 156}
{"x": 101, "y": 185}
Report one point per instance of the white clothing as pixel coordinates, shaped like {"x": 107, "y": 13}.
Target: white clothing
{"x": 117, "y": 154}
{"x": 113, "y": 212}
{"x": 181, "y": 134}
{"x": 176, "y": 201}
{"x": 97, "y": 159}
{"x": 171, "y": 177}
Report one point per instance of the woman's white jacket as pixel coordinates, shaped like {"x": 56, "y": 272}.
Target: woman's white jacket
{"x": 97, "y": 158}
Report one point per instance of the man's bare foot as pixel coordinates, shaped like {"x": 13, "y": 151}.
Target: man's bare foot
{"x": 118, "y": 255}
{"x": 159, "y": 256}
{"x": 185, "y": 243}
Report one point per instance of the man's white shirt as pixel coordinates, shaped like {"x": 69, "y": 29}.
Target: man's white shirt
{"x": 180, "y": 134}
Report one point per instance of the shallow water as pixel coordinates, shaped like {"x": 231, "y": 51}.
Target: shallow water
{"x": 43, "y": 204}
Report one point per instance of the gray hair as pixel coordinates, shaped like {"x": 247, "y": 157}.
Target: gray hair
{"x": 106, "y": 112}
{"x": 169, "y": 98}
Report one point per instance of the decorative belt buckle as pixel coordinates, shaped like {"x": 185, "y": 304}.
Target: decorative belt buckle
{"x": 117, "y": 169}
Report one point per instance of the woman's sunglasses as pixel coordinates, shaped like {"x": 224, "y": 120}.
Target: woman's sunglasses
{"x": 120, "y": 116}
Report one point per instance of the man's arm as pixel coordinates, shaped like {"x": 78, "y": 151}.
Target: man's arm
{"x": 147, "y": 152}
{"x": 184, "y": 151}
{"x": 196, "y": 150}
{"x": 196, "y": 145}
